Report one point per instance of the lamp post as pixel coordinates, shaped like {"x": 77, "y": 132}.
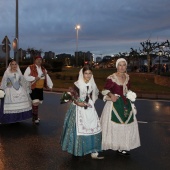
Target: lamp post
{"x": 16, "y": 34}
{"x": 77, "y": 30}
{"x": 159, "y": 54}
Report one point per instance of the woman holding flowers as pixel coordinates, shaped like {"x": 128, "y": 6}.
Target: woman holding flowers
{"x": 118, "y": 120}
{"x": 82, "y": 131}
{"x": 17, "y": 105}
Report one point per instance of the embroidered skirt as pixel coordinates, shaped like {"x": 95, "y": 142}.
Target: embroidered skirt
{"x": 15, "y": 107}
{"x": 116, "y": 135}
{"x": 74, "y": 144}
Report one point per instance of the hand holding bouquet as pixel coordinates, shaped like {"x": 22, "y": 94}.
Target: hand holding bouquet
{"x": 72, "y": 95}
{"x": 66, "y": 97}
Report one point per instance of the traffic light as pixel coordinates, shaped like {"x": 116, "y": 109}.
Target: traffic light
{"x": 6, "y": 47}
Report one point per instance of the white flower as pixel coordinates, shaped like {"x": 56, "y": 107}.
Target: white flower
{"x": 69, "y": 93}
{"x": 131, "y": 95}
{"x": 2, "y": 94}
{"x": 105, "y": 92}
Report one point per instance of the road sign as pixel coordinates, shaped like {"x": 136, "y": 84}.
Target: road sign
{"x": 5, "y": 47}
{"x": 6, "y": 40}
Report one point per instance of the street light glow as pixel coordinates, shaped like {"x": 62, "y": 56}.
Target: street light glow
{"x": 77, "y": 27}
{"x": 77, "y": 36}
{"x": 77, "y": 30}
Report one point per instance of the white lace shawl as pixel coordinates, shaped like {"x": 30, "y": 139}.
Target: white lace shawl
{"x": 23, "y": 82}
{"x": 115, "y": 79}
{"x": 83, "y": 87}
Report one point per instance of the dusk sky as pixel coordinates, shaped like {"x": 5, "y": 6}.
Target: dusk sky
{"x": 107, "y": 26}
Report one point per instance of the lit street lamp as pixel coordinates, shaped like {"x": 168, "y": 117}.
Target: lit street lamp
{"x": 77, "y": 30}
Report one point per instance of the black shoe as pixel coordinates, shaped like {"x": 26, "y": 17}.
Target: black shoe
{"x": 125, "y": 153}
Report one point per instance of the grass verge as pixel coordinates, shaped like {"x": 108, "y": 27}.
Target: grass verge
{"x": 140, "y": 82}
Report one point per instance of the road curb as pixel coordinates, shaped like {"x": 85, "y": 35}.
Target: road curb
{"x": 153, "y": 96}
{"x": 139, "y": 94}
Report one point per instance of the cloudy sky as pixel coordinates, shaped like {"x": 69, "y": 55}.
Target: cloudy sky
{"x": 107, "y": 26}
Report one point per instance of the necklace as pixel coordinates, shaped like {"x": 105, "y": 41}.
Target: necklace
{"x": 121, "y": 75}
{"x": 15, "y": 75}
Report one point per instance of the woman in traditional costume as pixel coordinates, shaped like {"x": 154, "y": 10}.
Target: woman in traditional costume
{"x": 16, "y": 103}
{"x": 82, "y": 131}
{"x": 118, "y": 121}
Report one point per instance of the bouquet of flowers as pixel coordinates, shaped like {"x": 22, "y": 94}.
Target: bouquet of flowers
{"x": 131, "y": 96}
{"x": 2, "y": 93}
{"x": 66, "y": 96}
{"x": 72, "y": 95}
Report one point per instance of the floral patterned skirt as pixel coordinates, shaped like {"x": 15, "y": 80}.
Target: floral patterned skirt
{"x": 74, "y": 144}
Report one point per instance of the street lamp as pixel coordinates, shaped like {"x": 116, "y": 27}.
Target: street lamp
{"x": 16, "y": 34}
{"x": 159, "y": 54}
{"x": 77, "y": 30}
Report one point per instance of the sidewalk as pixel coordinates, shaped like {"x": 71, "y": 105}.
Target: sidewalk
{"x": 153, "y": 96}
{"x": 139, "y": 94}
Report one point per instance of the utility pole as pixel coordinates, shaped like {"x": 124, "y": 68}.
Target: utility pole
{"x": 16, "y": 34}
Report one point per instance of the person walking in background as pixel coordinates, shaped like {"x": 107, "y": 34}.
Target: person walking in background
{"x": 37, "y": 75}
{"x": 17, "y": 102}
{"x": 118, "y": 120}
{"x": 82, "y": 131}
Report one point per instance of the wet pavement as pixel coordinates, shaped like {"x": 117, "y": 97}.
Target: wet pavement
{"x": 24, "y": 146}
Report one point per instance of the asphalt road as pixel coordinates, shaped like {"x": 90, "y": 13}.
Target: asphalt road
{"x": 24, "y": 146}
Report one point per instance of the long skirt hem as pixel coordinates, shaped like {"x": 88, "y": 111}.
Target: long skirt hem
{"x": 75, "y": 144}
{"x": 15, "y": 117}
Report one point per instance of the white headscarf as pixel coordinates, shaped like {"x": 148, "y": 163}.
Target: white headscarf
{"x": 119, "y": 60}
{"x": 23, "y": 82}
{"x": 8, "y": 70}
{"x": 83, "y": 86}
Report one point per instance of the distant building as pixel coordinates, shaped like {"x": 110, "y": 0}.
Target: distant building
{"x": 22, "y": 54}
{"x": 98, "y": 59}
{"x": 49, "y": 55}
{"x": 66, "y": 59}
{"x": 107, "y": 58}
{"x": 163, "y": 60}
{"x": 83, "y": 58}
